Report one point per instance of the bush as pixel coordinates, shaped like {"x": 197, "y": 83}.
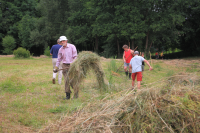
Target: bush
{"x": 21, "y": 53}
{"x": 8, "y": 44}
{"x": 47, "y": 51}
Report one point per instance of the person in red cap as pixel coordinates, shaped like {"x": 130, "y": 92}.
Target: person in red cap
{"x": 127, "y": 56}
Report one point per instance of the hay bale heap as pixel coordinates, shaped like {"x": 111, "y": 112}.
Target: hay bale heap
{"x": 85, "y": 61}
{"x": 158, "y": 110}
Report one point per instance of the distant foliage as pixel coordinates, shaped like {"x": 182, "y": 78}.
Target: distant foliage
{"x": 47, "y": 51}
{"x": 8, "y": 44}
{"x": 21, "y": 53}
{"x": 25, "y": 26}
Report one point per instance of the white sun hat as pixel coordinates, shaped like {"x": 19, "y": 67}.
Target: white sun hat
{"x": 62, "y": 38}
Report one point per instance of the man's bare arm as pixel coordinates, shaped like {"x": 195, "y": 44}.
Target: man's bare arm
{"x": 132, "y": 51}
{"x": 150, "y": 68}
{"x": 124, "y": 58}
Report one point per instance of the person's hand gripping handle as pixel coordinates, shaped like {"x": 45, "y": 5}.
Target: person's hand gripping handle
{"x": 150, "y": 68}
{"x": 55, "y": 70}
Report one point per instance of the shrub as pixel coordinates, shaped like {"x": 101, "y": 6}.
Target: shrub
{"x": 8, "y": 44}
{"x": 21, "y": 53}
{"x": 47, "y": 51}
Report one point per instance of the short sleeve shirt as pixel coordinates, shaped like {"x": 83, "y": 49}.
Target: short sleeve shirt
{"x": 136, "y": 63}
{"x": 54, "y": 50}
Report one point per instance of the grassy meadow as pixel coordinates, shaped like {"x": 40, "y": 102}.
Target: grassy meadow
{"x": 29, "y": 101}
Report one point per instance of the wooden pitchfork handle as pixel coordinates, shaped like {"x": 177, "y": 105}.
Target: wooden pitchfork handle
{"x": 126, "y": 59}
{"x": 58, "y": 70}
{"x": 62, "y": 69}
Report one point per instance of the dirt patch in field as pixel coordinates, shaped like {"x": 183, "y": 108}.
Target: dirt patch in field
{"x": 183, "y": 63}
{"x": 6, "y": 55}
{"x": 41, "y": 56}
{"x": 7, "y": 126}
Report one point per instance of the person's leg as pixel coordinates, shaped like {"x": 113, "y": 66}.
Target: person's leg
{"x": 60, "y": 74}
{"x": 133, "y": 83}
{"x": 142, "y": 70}
{"x": 67, "y": 86}
{"x": 139, "y": 79}
{"x": 138, "y": 84}
{"x": 125, "y": 69}
{"x": 130, "y": 72}
{"x": 133, "y": 80}
{"x": 54, "y": 74}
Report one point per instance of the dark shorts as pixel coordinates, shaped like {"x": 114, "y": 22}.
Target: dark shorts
{"x": 138, "y": 74}
{"x": 142, "y": 67}
{"x": 126, "y": 64}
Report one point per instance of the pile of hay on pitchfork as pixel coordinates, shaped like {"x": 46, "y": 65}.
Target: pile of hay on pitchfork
{"x": 164, "y": 109}
{"x": 85, "y": 61}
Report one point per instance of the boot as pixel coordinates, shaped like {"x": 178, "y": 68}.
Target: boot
{"x": 126, "y": 73}
{"x": 67, "y": 96}
{"x": 53, "y": 81}
{"x": 130, "y": 75}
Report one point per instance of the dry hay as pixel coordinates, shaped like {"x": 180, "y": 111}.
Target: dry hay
{"x": 166, "y": 109}
{"x": 6, "y": 55}
{"x": 184, "y": 79}
{"x": 85, "y": 61}
{"x": 43, "y": 56}
{"x": 182, "y": 63}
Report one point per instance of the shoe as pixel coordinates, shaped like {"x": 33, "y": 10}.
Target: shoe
{"x": 126, "y": 73}
{"x": 67, "y": 96}
{"x": 53, "y": 80}
{"x": 130, "y": 76}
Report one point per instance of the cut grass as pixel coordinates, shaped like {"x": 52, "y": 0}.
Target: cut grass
{"x": 28, "y": 97}
{"x": 9, "y": 86}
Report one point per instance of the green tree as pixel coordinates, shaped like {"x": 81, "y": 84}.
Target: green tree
{"x": 161, "y": 19}
{"x": 8, "y": 44}
{"x": 11, "y": 12}
{"x": 191, "y": 28}
{"x": 79, "y": 30}
{"x": 25, "y": 26}
{"x": 52, "y": 22}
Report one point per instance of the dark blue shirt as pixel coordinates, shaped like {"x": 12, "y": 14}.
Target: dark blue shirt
{"x": 54, "y": 50}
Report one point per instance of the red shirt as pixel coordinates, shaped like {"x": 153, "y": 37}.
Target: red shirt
{"x": 128, "y": 56}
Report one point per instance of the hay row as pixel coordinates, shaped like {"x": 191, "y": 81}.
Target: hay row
{"x": 164, "y": 109}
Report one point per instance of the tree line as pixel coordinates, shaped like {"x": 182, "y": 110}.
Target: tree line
{"x": 103, "y": 26}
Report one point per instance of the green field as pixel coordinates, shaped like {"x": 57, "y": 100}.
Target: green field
{"x": 29, "y": 101}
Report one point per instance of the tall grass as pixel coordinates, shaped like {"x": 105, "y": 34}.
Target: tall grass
{"x": 112, "y": 67}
